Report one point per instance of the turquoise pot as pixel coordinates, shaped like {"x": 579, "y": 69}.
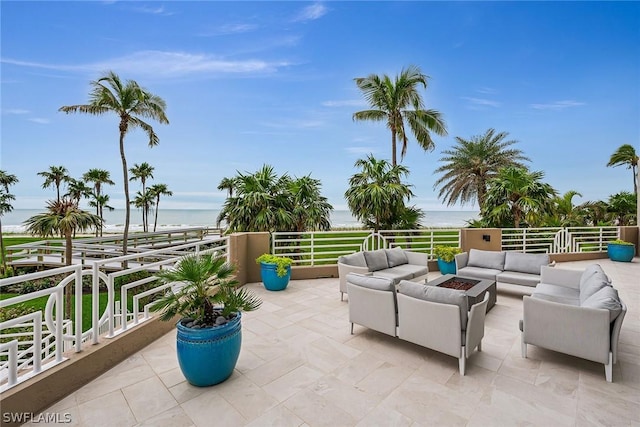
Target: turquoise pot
{"x": 622, "y": 253}
{"x": 208, "y": 356}
{"x": 270, "y": 278}
{"x": 447, "y": 267}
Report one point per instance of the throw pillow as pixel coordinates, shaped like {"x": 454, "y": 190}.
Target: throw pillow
{"x": 525, "y": 263}
{"x": 486, "y": 259}
{"x": 355, "y": 260}
{"x": 376, "y": 260}
{"x": 396, "y": 257}
{"x": 606, "y": 298}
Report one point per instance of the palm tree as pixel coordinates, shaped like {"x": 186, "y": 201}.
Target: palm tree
{"x": 156, "y": 191}
{"x": 565, "y": 213}
{"x": 101, "y": 202}
{"x": 63, "y": 217}
{"x": 398, "y": 101}
{"x": 143, "y": 172}
{"x": 227, "y": 184}
{"x": 626, "y": 155}
{"x": 77, "y": 189}
{"x": 6, "y": 180}
{"x": 143, "y": 201}
{"x": 471, "y": 163}
{"x": 376, "y": 194}
{"x": 131, "y": 103}
{"x": 311, "y": 211}
{"x": 55, "y": 176}
{"x": 262, "y": 202}
{"x": 98, "y": 177}
{"x": 516, "y": 195}
{"x": 621, "y": 205}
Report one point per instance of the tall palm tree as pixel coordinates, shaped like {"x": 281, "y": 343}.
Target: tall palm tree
{"x": 627, "y": 155}
{"x": 470, "y": 163}
{"x": 311, "y": 211}
{"x": 143, "y": 201}
{"x": 376, "y": 194}
{"x": 131, "y": 103}
{"x": 397, "y": 102}
{"x": 98, "y": 177}
{"x": 77, "y": 190}
{"x": 56, "y": 175}
{"x": 6, "y": 198}
{"x": 227, "y": 184}
{"x": 101, "y": 203}
{"x": 156, "y": 191}
{"x": 63, "y": 217}
{"x": 262, "y": 202}
{"x": 515, "y": 195}
{"x": 143, "y": 172}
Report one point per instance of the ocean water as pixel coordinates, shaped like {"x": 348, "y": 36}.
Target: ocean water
{"x": 12, "y": 222}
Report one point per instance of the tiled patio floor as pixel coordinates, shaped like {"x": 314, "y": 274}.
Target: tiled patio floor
{"x": 300, "y": 366}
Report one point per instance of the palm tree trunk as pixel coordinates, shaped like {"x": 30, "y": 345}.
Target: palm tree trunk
{"x": 68, "y": 258}
{"x": 125, "y": 234}
{"x": 155, "y": 221}
{"x": 2, "y": 254}
{"x": 393, "y": 146}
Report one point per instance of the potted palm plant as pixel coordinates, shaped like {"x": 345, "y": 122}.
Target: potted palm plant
{"x": 275, "y": 271}
{"x": 446, "y": 258}
{"x": 620, "y": 250}
{"x": 204, "y": 293}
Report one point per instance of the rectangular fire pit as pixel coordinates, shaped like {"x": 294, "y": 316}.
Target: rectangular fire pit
{"x": 474, "y": 288}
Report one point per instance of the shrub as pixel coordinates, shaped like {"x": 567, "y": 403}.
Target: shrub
{"x": 446, "y": 253}
{"x": 281, "y": 262}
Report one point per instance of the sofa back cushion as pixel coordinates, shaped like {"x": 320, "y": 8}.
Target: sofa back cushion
{"x": 376, "y": 260}
{"x": 592, "y": 280}
{"x": 486, "y": 259}
{"x": 606, "y": 298}
{"x": 439, "y": 295}
{"x": 525, "y": 263}
{"x": 355, "y": 260}
{"x": 396, "y": 257}
{"x": 371, "y": 282}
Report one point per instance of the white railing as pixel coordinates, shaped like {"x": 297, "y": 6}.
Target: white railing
{"x": 34, "y": 342}
{"x": 558, "y": 240}
{"x": 325, "y": 247}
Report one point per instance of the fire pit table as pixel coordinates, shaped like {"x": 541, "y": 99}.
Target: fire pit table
{"x": 473, "y": 288}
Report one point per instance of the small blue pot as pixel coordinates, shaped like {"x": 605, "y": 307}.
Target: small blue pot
{"x": 447, "y": 267}
{"x": 622, "y": 253}
{"x": 208, "y": 356}
{"x": 270, "y": 277}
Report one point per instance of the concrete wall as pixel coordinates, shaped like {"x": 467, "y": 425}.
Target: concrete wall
{"x": 488, "y": 239}
{"x": 244, "y": 248}
{"x": 630, "y": 234}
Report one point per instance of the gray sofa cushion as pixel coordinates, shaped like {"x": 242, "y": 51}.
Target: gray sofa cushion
{"x": 486, "y": 259}
{"x": 355, "y": 260}
{"x": 606, "y": 298}
{"x": 556, "y": 293}
{"x": 376, "y": 260}
{"x": 517, "y": 278}
{"x": 371, "y": 282}
{"x": 439, "y": 295}
{"x": 590, "y": 271}
{"x": 395, "y": 274}
{"x": 478, "y": 273}
{"x": 396, "y": 257}
{"x": 525, "y": 263}
{"x": 593, "y": 284}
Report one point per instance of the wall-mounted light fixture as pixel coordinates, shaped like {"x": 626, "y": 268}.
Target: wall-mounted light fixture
{"x": 486, "y": 237}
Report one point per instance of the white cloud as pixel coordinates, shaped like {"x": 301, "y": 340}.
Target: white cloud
{"x": 15, "y": 111}
{"x": 558, "y": 105}
{"x": 153, "y": 10}
{"x": 482, "y": 102}
{"x": 230, "y": 29}
{"x": 345, "y": 103}
{"x": 39, "y": 120}
{"x": 358, "y": 150}
{"x": 486, "y": 90}
{"x": 312, "y": 12}
{"x": 156, "y": 63}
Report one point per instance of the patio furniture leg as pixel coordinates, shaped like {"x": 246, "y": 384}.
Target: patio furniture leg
{"x": 462, "y": 362}
{"x": 608, "y": 369}
{"x": 352, "y": 329}
{"x": 523, "y": 346}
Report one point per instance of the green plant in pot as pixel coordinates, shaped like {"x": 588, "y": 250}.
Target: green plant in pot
{"x": 446, "y": 258}
{"x": 204, "y": 293}
{"x": 620, "y": 250}
{"x": 275, "y": 271}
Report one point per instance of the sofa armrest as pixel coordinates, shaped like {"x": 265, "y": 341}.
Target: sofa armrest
{"x": 560, "y": 277}
{"x": 577, "y": 331}
{"x": 461, "y": 260}
{"x": 417, "y": 258}
{"x": 344, "y": 269}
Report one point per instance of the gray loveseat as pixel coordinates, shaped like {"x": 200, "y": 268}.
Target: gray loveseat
{"x": 394, "y": 264}
{"x": 575, "y": 312}
{"x": 502, "y": 266}
{"x": 433, "y": 317}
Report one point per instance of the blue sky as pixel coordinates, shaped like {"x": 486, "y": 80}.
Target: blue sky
{"x": 248, "y": 83}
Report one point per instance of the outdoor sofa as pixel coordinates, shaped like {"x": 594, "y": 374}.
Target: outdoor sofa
{"x": 394, "y": 264}
{"x": 575, "y": 312}
{"x": 430, "y": 316}
{"x": 502, "y": 266}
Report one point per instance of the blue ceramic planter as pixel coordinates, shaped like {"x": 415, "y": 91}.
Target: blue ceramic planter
{"x": 208, "y": 356}
{"x": 270, "y": 277}
{"x": 623, "y": 253}
{"x": 447, "y": 267}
